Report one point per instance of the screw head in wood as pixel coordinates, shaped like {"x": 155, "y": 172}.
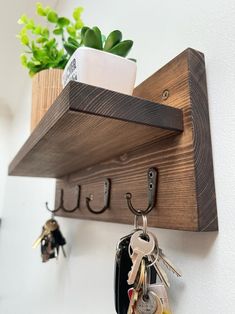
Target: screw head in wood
{"x": 165, "y": 94}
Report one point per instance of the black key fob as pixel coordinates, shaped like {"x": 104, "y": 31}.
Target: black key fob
{"x": 58, "y": 237}
{"x": 123, "y": 265}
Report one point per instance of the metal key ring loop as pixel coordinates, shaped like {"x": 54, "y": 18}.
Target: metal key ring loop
{"x": 157, "y": 250}
{"x": 146, "y": 281}
{"x": 145, "y": 224}
{"x": 136, "y": 222}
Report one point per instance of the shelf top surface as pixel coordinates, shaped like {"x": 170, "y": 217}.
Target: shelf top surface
{"x": 87, "y": 125}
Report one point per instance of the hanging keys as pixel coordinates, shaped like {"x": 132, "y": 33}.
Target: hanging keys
{"x": 151, "y": 299}
{"x": 168, "y": 263}
{"x": 141, "y": 247}
{"x": 155, "y": 260}
{"x": 51, "y": 239}
{"x": 134, "y": 292}
{"x": 48, "y": 227}
{"x": 123, "y": 265}
{"x": 160, "y": 272}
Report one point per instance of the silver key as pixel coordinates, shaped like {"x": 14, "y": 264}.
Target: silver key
{"x": 168, "y": 263}
{"x": 161, "y": 273}
{"x": 141, "y": 248}
{"x": 151, "y": 305}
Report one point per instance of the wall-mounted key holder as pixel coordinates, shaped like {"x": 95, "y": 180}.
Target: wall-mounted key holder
{"x": 90, "y": 134}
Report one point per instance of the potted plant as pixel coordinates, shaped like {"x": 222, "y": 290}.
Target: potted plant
{"x": 86, "y": 55}
{"x": 46, "y": 55}
{"x": 100, "y": 61}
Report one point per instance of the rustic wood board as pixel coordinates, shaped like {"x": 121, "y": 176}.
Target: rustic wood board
{"x": 87, "y": 125}
{"x": 186, "y": 192}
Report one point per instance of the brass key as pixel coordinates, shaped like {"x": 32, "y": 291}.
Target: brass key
{"x": 49, "y": 226}
{"x": 137, "y": 288}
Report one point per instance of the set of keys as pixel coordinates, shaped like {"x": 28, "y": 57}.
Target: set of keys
{"x": 50, "y": 239}
{"x": 137, "y": 261}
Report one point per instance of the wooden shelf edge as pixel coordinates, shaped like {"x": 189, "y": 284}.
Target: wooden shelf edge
{"x": 87, "y": 102}
{"x": 95, "y": 100}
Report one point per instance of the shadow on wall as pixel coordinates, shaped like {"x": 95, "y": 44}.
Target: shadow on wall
{"x": 5, "y": 110}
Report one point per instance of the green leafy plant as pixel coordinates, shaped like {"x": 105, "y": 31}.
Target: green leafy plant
{"x": 93, "y": 38}
{"x": 45, "y": 48}
{"x": 51, "y": 47}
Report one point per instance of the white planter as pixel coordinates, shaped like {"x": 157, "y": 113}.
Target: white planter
{"x": 102, "y": 69}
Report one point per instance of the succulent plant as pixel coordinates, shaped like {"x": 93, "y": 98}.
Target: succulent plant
{"x": 93, "y": 38}
{"x": 51, "y": 47}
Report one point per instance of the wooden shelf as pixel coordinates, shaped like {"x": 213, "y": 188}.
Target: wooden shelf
{"x": 87, "y": 125}
{"x": 90, "y": 135}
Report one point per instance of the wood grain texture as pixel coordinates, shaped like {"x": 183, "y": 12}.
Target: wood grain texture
{"x": 87, "y": 125}
{"x": 46, "y": 87}
{"x": 186, "y": 192}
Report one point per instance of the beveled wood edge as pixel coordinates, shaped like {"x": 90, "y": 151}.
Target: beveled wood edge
{"x": 65, "y": 102}
{"x": 205, "y": 189}
{"x": 55, "y": 112}
{"x": 149, "y": 113}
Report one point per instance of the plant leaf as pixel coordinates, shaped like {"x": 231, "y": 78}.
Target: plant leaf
{"x": 63, "y": 21}
{"x": 71, "y": 30}
{"x": 91, "y": 40}
{"x": 45, "y": 32}
{"x": 83, "y": 31}
{"x": 58, "y": 31}
{"x": 99, "y": 37}
{"x": 24, "y": 40}
{"x": 23, "y": 60}
{"x": 23, "y": 19}
{"x": 52, "y": 16}
{"x": 78, "y": 24}
{"x": 73, "y": 41}
{"x": 39, "y": 9}
{"x": 77, "y": 13}
{"x": 70, "y": 48}
{"x": 41, "y": 40}
{"x": 37, "y": 30}
{"x": 113, "y": 39}
{"x": 122, "y": 49}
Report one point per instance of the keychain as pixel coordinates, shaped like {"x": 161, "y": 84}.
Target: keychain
{"x": 145, "y": 295}
{"x": 50, "y": 239}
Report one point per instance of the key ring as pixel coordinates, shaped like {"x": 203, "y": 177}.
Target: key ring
{"x": 157, "y": 250}
{"x": 145, "y": 224}
{"x": 146, "y": 281}
{"x": 136, "y": 222}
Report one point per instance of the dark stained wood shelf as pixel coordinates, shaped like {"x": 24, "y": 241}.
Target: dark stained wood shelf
{"x": 87, "y": 125}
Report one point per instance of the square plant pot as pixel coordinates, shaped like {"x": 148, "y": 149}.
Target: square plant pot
{"x": 102, "y": 69}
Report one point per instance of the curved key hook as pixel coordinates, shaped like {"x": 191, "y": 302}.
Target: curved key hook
{"x": 61, "y": 205}
{"x": 152, "y": 187}
{"x": 107, "y": 188}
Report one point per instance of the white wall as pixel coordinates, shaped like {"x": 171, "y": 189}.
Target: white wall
{"x": 83, "y": 283}
{"x": 5, "y": 124}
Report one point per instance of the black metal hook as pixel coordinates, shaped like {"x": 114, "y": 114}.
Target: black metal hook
{"x": 107, "y": 188}
{"x": 152, "y": 188}
{"x": 61, "y": 205}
